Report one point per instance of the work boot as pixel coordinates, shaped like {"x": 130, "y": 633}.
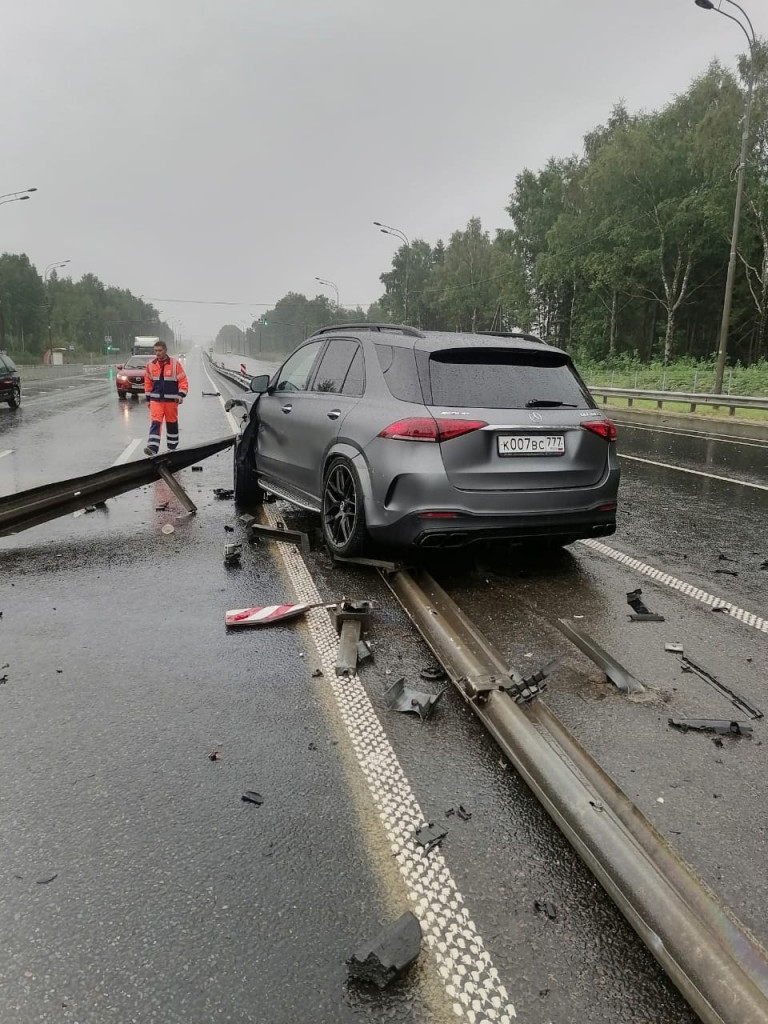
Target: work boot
{"x": 148, "y": 451}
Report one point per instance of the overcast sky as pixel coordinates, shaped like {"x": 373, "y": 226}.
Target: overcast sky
{"x": 235, "y": 149}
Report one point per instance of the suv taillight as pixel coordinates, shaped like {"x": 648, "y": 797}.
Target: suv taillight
{"x": 605, "y": 428}
{"x": 427, "y": 428}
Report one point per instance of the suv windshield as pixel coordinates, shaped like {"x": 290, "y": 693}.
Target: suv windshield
{"x": 137, "y": 362}
{"x": 496, "y": 379}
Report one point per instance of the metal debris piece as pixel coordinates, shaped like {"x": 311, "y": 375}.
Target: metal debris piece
{"x": 641, "y": 613}
{"x": 373, "y": 563}
{"x": 545, "y": 907}
{"x": 250, "y": 796}
{"x": 720, "y": 608}
{"x": 47, "y": 879}
{"x": 256, "y": 529}
{"x": 229, "y": 529}
{"x": 726, "y": 572}
{"x": 430, "y": 836}
{"x": 265, "y": 615}
{"x": 463, "y": 813}
{"x": 433, "y": 673}
{"x": 724, "y": 558}
{"x": 317, "y": 673}
{"x": 3, "y": 679}
{"x": 532, "y": 686}
{"x": 214, "y": 756}
{"x": 738, "y": 701}
{"x": 223, "y": 493}
{"x": 618, "y": 675}
{"x": 400, "y": 697}
{"x": 163, "y": 507}
{"x": 391, "y": 953}
{"x": 674, "y": 648}
{"x": 364, "y": 652}
{"x": 197, "y": 469}
{"x": 232, "y": 554}
{"x": 720, "y": 726}
{"x": 349, "y": 617}
{"x": 211, "y": 394}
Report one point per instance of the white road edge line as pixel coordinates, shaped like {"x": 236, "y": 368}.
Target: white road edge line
{"x": 8, "y": 451}
{"x": 464, "y": 964}
{"x": 747, "y": 442}
{"x": 128, "y": 452}
{"x": 748, "y": 618}
{"x": 695, "y": 472}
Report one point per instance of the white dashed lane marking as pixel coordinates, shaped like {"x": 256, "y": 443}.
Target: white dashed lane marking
{"x": 471, "y": 981}
{"x": 125, "y": 455}
{"x": 8, "y": 451}
{"x": 748, "y": 618}
{"x": 695, "y": 472}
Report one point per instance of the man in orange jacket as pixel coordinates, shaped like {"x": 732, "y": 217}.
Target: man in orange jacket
{"x": 165, "y": 387}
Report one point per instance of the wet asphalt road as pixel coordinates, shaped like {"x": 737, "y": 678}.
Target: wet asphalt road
{"x": 175, "y": 901}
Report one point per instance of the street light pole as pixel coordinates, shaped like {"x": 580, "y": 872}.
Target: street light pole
{"x": 330, "y": 284}
{"x": 47, "y": 285}
{"x": 386, "y": 229}
{"x": 708, "y": 5}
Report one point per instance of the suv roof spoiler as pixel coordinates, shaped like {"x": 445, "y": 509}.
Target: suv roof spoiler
{"x": 411, "y": 332}
{"x": 513, "y": 334}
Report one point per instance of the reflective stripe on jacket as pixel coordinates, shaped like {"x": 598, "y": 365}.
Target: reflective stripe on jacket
{"x": 165, "y": 382}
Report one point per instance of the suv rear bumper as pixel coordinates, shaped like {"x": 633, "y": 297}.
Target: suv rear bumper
{"x": 418, "y": 530}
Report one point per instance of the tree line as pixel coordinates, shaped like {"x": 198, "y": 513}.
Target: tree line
{"x": 617, "y": 253}
{"x": 37, "y": 314}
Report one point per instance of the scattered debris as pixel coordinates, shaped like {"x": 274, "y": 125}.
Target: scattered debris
{"x": 89, "y": 508}
{"x": 724, "y": 558}
{"x": 312, "y": 746}
{"x": 738, "y": 701}
{"x": 364, "y": 652}
{"x": 391, "y": 953}
{"x": 720, "y": 726}
{"x": 674, "y": 648}
{"x": 726, "y": 572}
{"x": 214, "y": 756}
{"x": 641, "y": 613}
{"x": 3, "y": 679}
{"x": 349, "y": 617}
{"x": 232, "y": 554}
{"x": 265, "y": 615}
{"x": 659, "y": 799}
{"x": 197, "y": 469}
{"x": 618, "y": 675}
{"x": 317, "y": 673}
{"x": 430, "y": 836}
{"x": 532, "y": 686}
{"x": 168, "y": 529}
{"x": 373, "y": 563}
{"x": 229, "y": 529}
{"x": 400, "y": 697}
{"x": 223, "y": 493}
{"x": 163, "y": 507}
{"x": 764, "y": 565}
{"x": 721, "y": 608}
{"x": 250, "y": 796}
{"x": 463, "y": 813}
{"x": 256, "y": 530}
{"x": 433, "y": 673}
{"x": 545, "y": 907}
{"x": 211, "y": 394}
{"x": 47, "y": 879}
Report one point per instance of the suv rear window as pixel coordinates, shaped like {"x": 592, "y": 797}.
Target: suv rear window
{"x": 496, "y": 379}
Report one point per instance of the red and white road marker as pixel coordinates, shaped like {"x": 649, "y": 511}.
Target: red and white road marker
{"x": 265, "y": 615}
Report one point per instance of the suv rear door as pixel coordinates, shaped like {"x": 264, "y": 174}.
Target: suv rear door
{"x": 533, "y": 404}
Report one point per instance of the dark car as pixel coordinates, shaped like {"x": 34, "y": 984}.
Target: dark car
{"x": 431, "y": 439}
{"x": 10, "y": 382}
{"x": 130, "y": 377}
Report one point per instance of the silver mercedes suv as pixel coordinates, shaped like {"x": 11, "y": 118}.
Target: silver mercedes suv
{"x": 430, "y": 439}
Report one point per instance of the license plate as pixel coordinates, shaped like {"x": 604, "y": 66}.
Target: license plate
{"x": 531, "y": 444}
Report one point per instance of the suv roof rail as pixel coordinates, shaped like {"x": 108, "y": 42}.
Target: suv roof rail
{"x": 513, "y": 334}
{"x": 411, "y": 332}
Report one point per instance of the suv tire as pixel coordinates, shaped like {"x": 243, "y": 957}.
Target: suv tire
{"x": 244, "y": 482}
{"x": 343, "y": 510}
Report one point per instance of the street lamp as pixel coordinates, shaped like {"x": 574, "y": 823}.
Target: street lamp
{"x": 386, "y": 229}
{"x": 708, "y": 5}
{"x": 330, "y": 284}
{"x": 16, "y": 197}
{"x": 46, "y": 282}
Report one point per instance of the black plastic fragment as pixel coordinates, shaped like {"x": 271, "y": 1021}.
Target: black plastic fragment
{"x": 223, "y": 493}
{"x": 641, "y": 613}
{"x": 463, "y": 813}
{"x": 429, "y": 836}
{"x": 197, "y": 469}
{"x": 47, "y": 879}
{"x": 250, "y": 796}
{"x": 432, "y": 673}
{"x": 723, "y": 727}
{"x": 364, "y": 652}
{"x": 726, "y": 572}
{"x": 391, "y": 953}
{"x": 400, "y": 697}
{"x": 545, "y": 907}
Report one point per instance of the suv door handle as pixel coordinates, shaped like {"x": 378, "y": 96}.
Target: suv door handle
{"x": 287, "y": 408}
{"x": 334, "y": 414}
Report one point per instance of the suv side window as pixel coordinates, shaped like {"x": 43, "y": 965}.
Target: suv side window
{"x": 354, "y": 382}
{"x": 335, "y": 365}
{"x": 296, "y": 370}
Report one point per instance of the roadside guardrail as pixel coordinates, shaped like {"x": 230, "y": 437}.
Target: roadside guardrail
{"x": 689, "y": 398}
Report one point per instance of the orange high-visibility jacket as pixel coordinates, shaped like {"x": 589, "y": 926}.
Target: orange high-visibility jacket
{"x": 165, "y": 382}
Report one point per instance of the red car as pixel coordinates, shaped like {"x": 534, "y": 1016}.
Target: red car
{"x": 130, "y": 377}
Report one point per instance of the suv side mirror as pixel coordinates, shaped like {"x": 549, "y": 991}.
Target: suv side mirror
{"x": 259, "y": 384}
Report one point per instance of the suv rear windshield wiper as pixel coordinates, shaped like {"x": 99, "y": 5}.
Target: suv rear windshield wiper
{"x": 547, "y": 403}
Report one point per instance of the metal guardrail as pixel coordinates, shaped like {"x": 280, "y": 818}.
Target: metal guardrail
{"x": 26, "y": 509}
{"x": 719, "y": 968}
{"x": 690, "y": 398}
{"x": 240, "y": 379}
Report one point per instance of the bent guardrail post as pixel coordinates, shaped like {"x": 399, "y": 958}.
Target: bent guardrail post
{"x": 30, "y": 508}
{"x": 716, "y": 964}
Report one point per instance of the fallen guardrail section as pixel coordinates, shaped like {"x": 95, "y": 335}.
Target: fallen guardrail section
{"x": 26, "y": 509}
{"x": 689, "y": 398}
{"x": 720, "y": 969}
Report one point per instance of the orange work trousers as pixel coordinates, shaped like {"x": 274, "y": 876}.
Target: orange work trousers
{"x": 159, "y": 411}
